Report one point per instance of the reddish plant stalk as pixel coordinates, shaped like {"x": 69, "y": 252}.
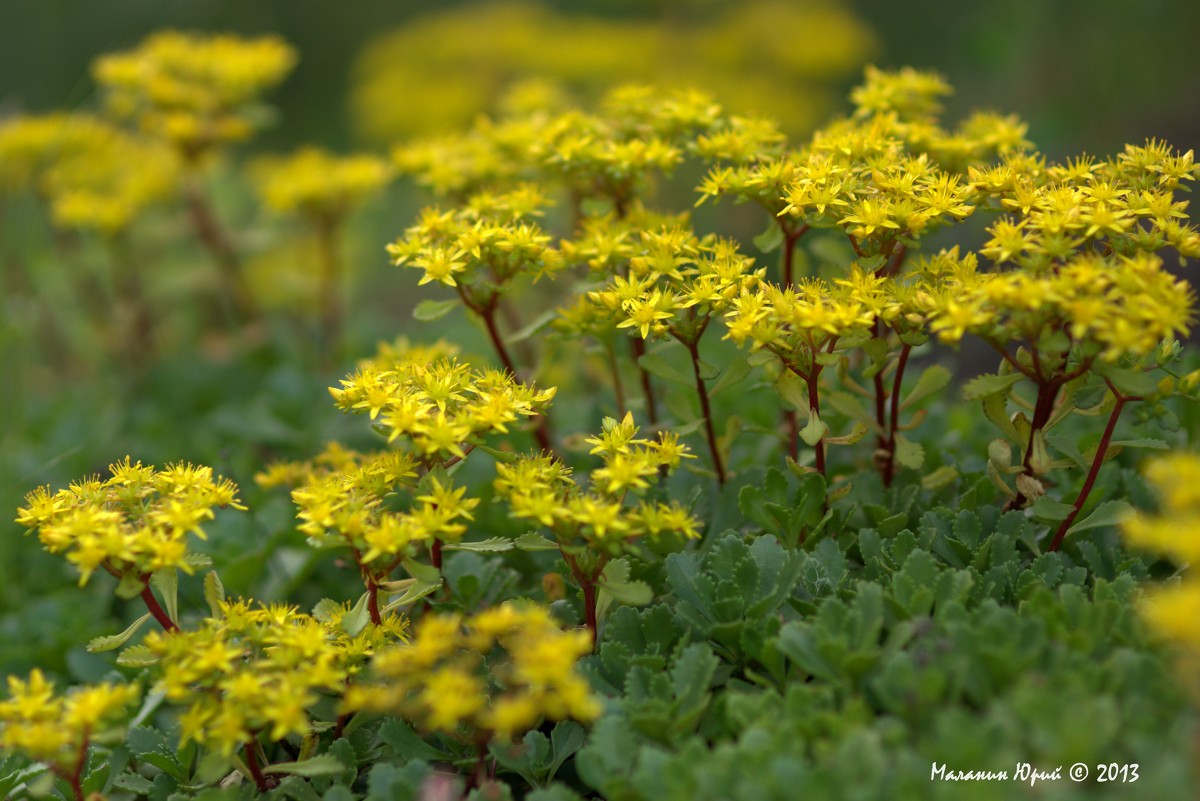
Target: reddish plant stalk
{"x": 1042, "y": 409}
{"x": 889, "y": 469}
{"x": 152, "y": 604}
{"x": 812, "y": 380}
{"x": 261, "y": 780}
{"x": 1097, "y": 461}
{"x": 706, "y": 410}
{"x": 435, "y": 554}
{"x": 373, "y": 603}
{"x": 75, "y": 777}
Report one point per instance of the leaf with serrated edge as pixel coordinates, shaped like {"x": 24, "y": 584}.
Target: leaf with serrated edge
{"x": 114, "y": 641}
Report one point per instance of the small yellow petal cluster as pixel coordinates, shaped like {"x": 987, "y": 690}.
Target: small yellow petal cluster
{"x": 1118, "y": 305}
{"x": 193, "y": 91}
{"x": 542, "y": 489}
{"x": 442, "y": 406}
{"x": 798, "y": 321}
{"x": 488, "y": 241}
{"x": 135, "y": 522}
{"x": 674, "y": 282}
{"x": 497, "y": 673}
{"x": 93, "y": 175}
{"x": 317, "y": 183}
{"x": 57, "y": 729}
{"x": 249, "y": 670}
{"x": 1126, "y": 204}
{"x": 1174, "y": 531}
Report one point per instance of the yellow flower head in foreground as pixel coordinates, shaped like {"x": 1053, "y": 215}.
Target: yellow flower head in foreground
{"x": 135, "y": 522}
{"x": 317, "y": 183}
{"x": 541, "y": 489}
{"x": 255, "y": 669}
{"x": 500, "y": 672}
{"x": 56, "y": 729}
{"x": 1173, "y": 611}
{"x": 192, "y": 90}
{"x": 440, "y": 407}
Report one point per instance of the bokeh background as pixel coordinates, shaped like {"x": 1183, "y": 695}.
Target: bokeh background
{"x": 1087, "y": 75}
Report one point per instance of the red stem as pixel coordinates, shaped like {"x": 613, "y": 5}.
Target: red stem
{"x": 373, "y": 603}
{"x": 706, "y": 410}
{"x": 156, "y": 610}
{"x": 1097, "y": 461}
{"x": 263, "y": 782}
{"x": 890, "y": 466}
{"x": 1042, "y": 409}
{"x": 814, "y": 407}
{"x": 435, "y": 554}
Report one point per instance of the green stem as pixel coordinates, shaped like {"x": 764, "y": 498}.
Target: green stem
{"x": 216, "y": 241}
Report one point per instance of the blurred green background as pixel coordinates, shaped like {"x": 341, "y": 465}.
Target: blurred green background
{"x": 1087, "y": 76}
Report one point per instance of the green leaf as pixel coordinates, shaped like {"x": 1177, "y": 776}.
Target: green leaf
{"x": 814, "y": 431}
{"x": 931, "y": 380}
{"x": 1109, "y": 513}
{"x": 539, "y": 323}
{"x": 656, "y": 365}
{"x": 357, "y": 618}
{"x": 735, "y": 371}
{"x": 491, "y": 545}
{"x": 939, "y": 478}
{"x": 995, "y": 408}
{"x": 131, "y": 586}
{"x": 1129, "y": 382}
{"x": 616, "y": 583}
{"x": 426, "y": 574}
{"x": 1045, "y": 508}
{"x": 429, "y": 310}
{"x": 115, "y": 641}
{"x": 908, "y": 453}
{"x": 418, "y": 590}
{"x": 792, "y": 390}
{"x": 849, "y": 405}
{"x": 214, "y": 593}
{"x": 532, "y": 541}
{"x": 990, "y": 384}
{"x": 321, "y": 765}
{"x": 167, "y": 584}
{"x": 137, "y": 656}
{"x": 770, "y": 240}
{"x": 1148, "y": 444}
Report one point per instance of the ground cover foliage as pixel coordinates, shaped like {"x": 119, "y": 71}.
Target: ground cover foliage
{"x": 648, "y": 508}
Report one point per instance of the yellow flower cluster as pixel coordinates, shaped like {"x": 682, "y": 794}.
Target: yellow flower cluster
{"x": 133, "y": 523}
{"x": 484, "y": 244}
{"x": 499, "y": 672}
{"x": 317, "y": 183}
{"x": 1174, "y": 531}
{"x": 249, "y": 670}
{"x": 442, "y": 407}
{"x": 1116, "y": 305}
{"x": 193, "y": 91}
{"x": 1125, "y": 205}
{"x": 94, "y": 176}
{"x": 542, "y": 489}
{"x": 346, "y": 505}
{"x": 57, "y": 729}
{"x": 798, "y": 322}
{"x": 673, "y": 282}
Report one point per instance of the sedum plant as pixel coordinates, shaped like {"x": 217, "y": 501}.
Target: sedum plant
{"x": 779, "y": 617}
